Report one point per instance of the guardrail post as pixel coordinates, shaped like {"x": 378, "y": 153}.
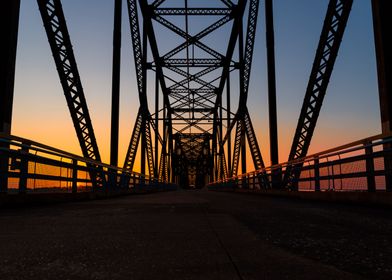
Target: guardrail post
{"x": 4, "y": 166}
{"x": 132, "y": 181}
{"x": 142, "y": 181}
{"x": 371, "y": 182}
{"x": 276, "y": 178}
{"x": 3, "y": 171}
{"x": 316, "y": 174}
{"x": 125, "y": 180}
{"x": 24, "y": 169}
{"x": 295, "y": 179}
{"x": 74, "y": 176}
{"x": 112, "y": 179}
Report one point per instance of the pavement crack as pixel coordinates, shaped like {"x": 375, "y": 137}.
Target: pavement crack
{"x": 222, "y": 245}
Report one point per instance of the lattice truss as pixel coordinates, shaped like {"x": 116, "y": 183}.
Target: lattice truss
{"x": 330, "y": 39}
{"x": 192, "y": 48}
{"x": 60, "y": 43}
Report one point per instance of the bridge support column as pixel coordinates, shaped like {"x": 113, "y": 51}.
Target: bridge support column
{"x": 273, "y": 122}
{"x": 382, "y": 20}
{"x": 9, "y": 12}
{"x": 115, "y": 84}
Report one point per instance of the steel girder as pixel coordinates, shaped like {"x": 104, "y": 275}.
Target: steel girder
{"x": 192, "y": 82}
{"x": 143, "y": 119}
{"x": 331, "y": 36}
{"x": 132, "y": 148}
{"x": 225, "y": 81}
{"x": 242, "y": 118}
{"x": 192, "y": 11}
{"x": 60, "y": 44}
{"x": 167, "y": 146}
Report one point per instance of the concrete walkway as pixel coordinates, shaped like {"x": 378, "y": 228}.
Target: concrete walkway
{"x": 193, "y": 235}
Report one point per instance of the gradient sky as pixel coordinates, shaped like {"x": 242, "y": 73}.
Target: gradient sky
{"x": 350, "y": 110}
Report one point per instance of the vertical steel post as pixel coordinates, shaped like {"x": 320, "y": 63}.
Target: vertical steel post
{"x": 242, "y": 89}
{"x": 243, "y": 150}
{"x": 316, "y": 174}
{"x": 24, "y": 168}
{"x": 156, "y": 124}
{"x": 228, "y": 123}
{"x": 144, "y": 105}
{"x": 273, "y": 122}
{"x": 221, "y": 151}
{"x": 143, "y": 150}
{"x": 3, "y": 170}
{"x": 116, "y": 83}
{"x": 382, "y": 21}
{"x": 9, "y": 12}
{"x": 164, "y": 161}
{"x": 371, "y": 182}
{"x": 170, "y": 158}
{"x": 74, "y": 176}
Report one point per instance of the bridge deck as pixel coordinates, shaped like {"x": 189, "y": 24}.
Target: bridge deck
{"x": 195, "y": 235}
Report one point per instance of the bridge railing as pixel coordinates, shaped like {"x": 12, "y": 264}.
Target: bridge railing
{"x": 357, "y": 166}
{"x": 27, "y": 166}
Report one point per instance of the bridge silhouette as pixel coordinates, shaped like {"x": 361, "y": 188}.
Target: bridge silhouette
{"x": 196, "y": 137}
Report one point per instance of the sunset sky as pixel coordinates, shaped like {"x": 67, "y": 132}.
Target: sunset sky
{"x": 350, "y": 110}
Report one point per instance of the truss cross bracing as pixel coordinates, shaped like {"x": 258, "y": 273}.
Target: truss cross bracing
{"x": 193, "y": 49}
{"x": 193, "y": 61}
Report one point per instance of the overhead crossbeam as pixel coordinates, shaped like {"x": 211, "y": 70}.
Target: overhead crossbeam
{"x": 331, "y": 36}
{"x": 192, "y": 76}
{"x": 178, "y": 62}
{"x": 192, "y": 11}
{"x": 196, "y": 40}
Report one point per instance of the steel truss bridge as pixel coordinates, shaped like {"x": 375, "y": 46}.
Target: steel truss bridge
{"x": 195, "y": 135}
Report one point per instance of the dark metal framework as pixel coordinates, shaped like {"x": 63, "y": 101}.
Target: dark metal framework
{"x": 116, "y": 83}
{"x": 350, "y": 167}
{"x": 9, "y": 12}
{"x": 60, "y": 44}
{"x": 327, "y": 51}
{"x": 382, "y": 20}
{"x": 192, "y": 141}
{"x": 188, "y": 139}
{"x": 272, "y": 110}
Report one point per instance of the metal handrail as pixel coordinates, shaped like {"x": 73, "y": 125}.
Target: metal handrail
{"x": 340, "y": 151}
{"x": 39, "y": 147}
{"x": 19, "y": 152}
